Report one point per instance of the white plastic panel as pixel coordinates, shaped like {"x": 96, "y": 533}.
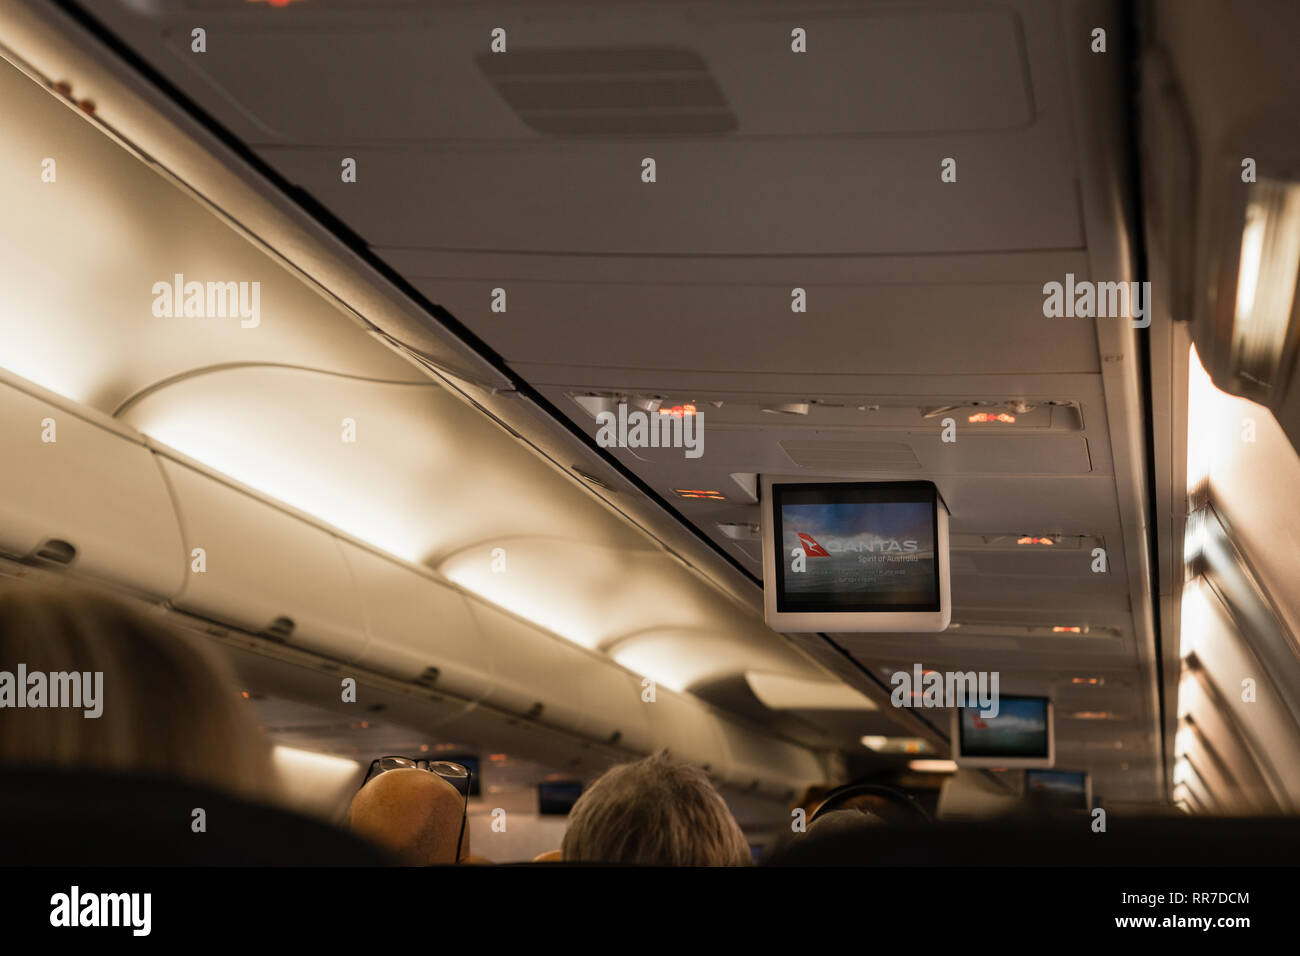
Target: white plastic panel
{"x": 262, "y": 564}
{"x": 414, "y": 623}
{"x": 531, "y": 667}
{"x": 689, "y": 731}
{"x": 94, "y": 488}
{"x": 612, "y": 700}
{"x": 778, "y": 766}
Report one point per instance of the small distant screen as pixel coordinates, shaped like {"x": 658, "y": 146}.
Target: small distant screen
{"x": 867, "y": 546}
{"x": 755, "y": 851}
{"x": 470, "y": 763}
{"x": 1018, "y": 731}
{"x": 557, "y": 798}
{"x": 1065, "y": 788}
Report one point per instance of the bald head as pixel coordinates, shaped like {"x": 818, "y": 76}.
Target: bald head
{"x": 413, "y": 812}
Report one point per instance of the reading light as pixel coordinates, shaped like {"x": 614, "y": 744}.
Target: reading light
{"x": 987, "y": 417}
{"x": 932, "y": 766}
{"x": 1266, "y": 285}
{"x": 1030, "y": 539}
{"x": 1088, "y": 680}
{"x": 1069, "y": 629}
{"x": 896, "y": 745}
{"x": 707, "y": 494}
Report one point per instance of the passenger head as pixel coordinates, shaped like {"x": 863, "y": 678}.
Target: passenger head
{"x": 880, "y": 809}
{"x": 415, "y": 813}
{"x": 810, "y": 799}
{"x": 152, "y": 700}
{"x": 654, "y": 811}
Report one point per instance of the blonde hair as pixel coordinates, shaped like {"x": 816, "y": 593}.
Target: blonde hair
{"x": 169, "y": 706}
{"x": 654, "y": 812}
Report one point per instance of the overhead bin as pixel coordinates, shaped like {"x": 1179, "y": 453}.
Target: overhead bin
{"x": 688, "y": 730}
{"x": 535, "y": 675}
{"x": 615, "y": 710}
{"x": 772, "y": 767}
{"x": 86, "y": 495}
{"x": 419, "y": 630}
{"x": 267, "y": 571}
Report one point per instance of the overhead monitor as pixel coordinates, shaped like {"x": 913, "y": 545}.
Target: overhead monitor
{"x": 855, "y": 555}
{"x": 470, "y": 763}
{"x": 557, "y": 797}
{"x": 1066, "y": 789}
{"x": 1020, "y": 734}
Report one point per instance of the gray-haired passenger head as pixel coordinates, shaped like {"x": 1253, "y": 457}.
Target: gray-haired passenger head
{"x": 656, "y": 812}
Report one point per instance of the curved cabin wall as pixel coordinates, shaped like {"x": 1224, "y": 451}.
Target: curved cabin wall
{"x": 1240, "y": 614}
{"x": 135, "y": 516}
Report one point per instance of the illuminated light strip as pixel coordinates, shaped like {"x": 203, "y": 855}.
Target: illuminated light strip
{"x": 678, "y": 411}
{"x": 699, "y": 493}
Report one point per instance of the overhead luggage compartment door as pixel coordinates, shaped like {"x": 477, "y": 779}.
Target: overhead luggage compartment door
{"x": 67, "y": 481}
{"x": 265, "y": 570}
{"x": 419, "y": 630}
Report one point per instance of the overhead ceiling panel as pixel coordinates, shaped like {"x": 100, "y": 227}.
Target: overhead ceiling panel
{"x": 893, "y": 327}
{"x": 573, "y": 69}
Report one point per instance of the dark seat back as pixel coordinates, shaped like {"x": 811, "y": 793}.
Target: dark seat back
{"x": 1128, "y": 841}
{"x": 58, "y": 818}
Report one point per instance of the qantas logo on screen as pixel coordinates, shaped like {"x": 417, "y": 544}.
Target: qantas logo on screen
{"x": 812, "y": 549}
